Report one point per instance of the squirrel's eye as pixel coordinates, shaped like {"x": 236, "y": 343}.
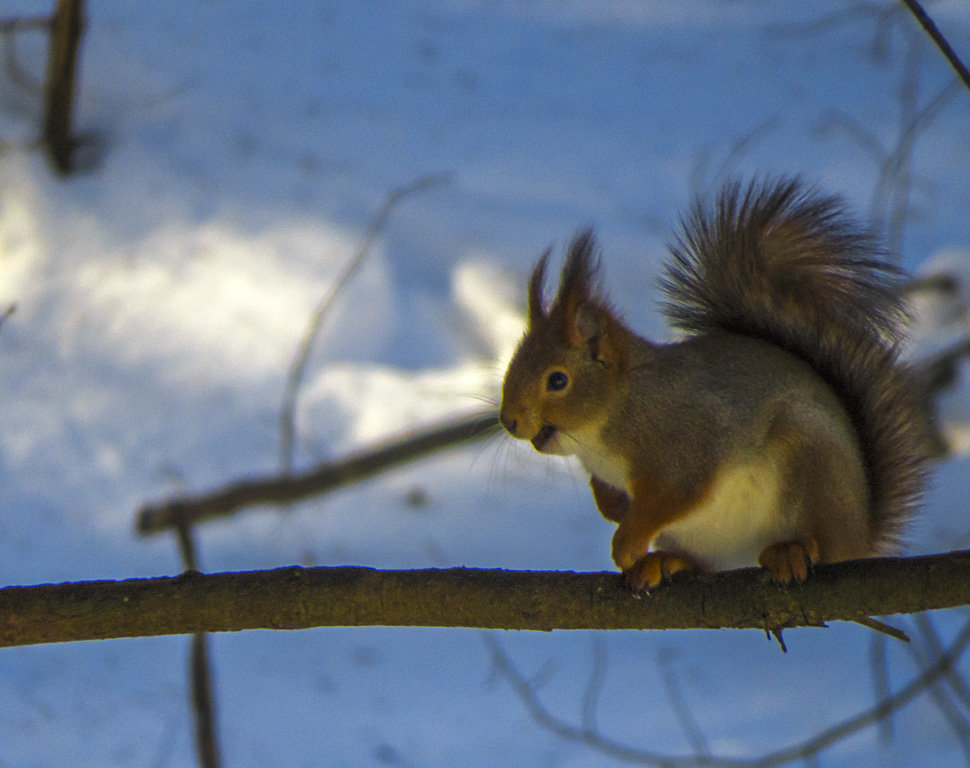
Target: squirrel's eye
{"x": 557, "y": 381}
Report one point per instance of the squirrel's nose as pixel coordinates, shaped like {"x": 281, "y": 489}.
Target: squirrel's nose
{"x": 509, "y": 423}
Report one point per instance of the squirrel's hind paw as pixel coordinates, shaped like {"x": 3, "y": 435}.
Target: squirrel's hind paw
{"x": 789, "y": 561}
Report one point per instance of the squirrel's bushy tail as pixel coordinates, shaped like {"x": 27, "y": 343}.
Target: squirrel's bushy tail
{"x": 780, "y": 262}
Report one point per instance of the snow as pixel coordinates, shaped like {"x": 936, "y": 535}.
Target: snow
{"x": 240, "y": 151}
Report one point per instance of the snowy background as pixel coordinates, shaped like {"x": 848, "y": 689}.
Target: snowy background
{"x": 240, "y": 151}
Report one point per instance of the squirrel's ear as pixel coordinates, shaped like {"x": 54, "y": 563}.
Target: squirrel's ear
{"x": 585, "y": 325}
{"x": 536, "y": 310}
{"x": 595, "y": 328}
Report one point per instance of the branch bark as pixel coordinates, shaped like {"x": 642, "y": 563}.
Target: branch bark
{"x": 298, "y": 598}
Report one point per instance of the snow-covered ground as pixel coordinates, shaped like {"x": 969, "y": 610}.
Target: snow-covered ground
{"x": 241, "y": 150}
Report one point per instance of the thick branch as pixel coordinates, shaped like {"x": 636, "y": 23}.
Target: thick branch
{"x": 298, "y": 598}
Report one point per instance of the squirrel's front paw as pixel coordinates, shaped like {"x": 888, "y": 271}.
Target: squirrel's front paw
{"x": 629, "y": 545}
{"x": 656, "y": 567}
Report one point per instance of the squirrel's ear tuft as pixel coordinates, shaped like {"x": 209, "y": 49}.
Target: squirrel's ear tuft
{"x": 536, "y": 310}
{"x": 578, "y": 284}
{"x": 577, "y": 299}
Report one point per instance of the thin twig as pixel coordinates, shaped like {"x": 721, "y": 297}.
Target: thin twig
{"x": 941, "y": 42}
{"x": 61, "y": 86}
{"x": 864, "y": 719}
{"x": 679, "y": 705}
{"x": 890, "y": 201}
{"x": 880, "y": 680}
{"x": 25, "y": 24}
{"x": 297, "y": 370}
{"x": 15, "y": 73}
{"x": 561, "y": 728}
{"x": 898, "y": 166}
{"x": 932, "y": 638}
{"x": 6, "y": 313}
{"x": 802, "y": 751}
{"x": 941, "y": 697}
{"x": 900, "y": 162}
{"x": 594, "y": 687}
{"x": 325, "y": 477}
{"x": 183, "y": 535}
{"x": 200, "y": 671}
{"x": 884, "y": 628}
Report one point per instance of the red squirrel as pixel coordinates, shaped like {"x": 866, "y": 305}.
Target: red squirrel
{"x": 783, "y": 430}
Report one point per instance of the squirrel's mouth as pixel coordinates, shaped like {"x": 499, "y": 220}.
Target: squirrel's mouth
{"x": 541, "y": 440}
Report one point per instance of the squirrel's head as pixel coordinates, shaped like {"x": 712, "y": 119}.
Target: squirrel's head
{"x": 564, "y": 372}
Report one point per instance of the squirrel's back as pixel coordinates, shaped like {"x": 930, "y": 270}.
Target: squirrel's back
{"x": 782, "y": 263}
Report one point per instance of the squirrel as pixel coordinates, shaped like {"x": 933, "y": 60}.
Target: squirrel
{"x": 782, "y": 430}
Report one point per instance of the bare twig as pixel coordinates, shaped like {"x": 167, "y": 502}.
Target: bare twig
{"x": 183, "y": 535}
{"x": 563, "y": 729}
{"x": 594, "y": 687}
{"x": 941, "y": 696}
{"x": 25, "y": 24}
{"x": 803, "y": 751}
{"x": 6, "y": 313}
{"x": 880, "y": 679}
{"x": 200, "y": 672}
{"x": 846, "y": 14}
{"x": 325, "y": 477}
{"x": 941, "y": 42}
{"x": 679, "y": 705}
{"x": 884, "y": 628}
{"x": 297, "y": 370}
{"x": 873, "y": 715}
{"x": 932, "y": 639}
{"x": 14, "y": 71}
{"x": 65, "y": 39}
{"x": 896, "y": 174}
{"x": 890, "y": 205}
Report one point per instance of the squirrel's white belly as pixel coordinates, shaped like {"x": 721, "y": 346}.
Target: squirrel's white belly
{"x": 741, "y": 516}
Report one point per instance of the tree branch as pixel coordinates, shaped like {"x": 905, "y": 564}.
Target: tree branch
{"x": 200, "y": 670}
{"x": 16, "y": 24}
{"x": 941, "y": 42}
{"x": 294, "y": 377}
{"x": 298, "y": 598}
{"x": 324, "y": 477}
{"x": 65, "y": 39}
{"x": 806, "y": 751}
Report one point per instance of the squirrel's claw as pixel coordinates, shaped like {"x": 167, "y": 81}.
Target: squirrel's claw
{"x": 789, "y": 561}
{"x": 654, "y": 568}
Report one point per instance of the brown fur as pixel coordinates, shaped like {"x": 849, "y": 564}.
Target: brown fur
{"x": 784, "y": 430}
